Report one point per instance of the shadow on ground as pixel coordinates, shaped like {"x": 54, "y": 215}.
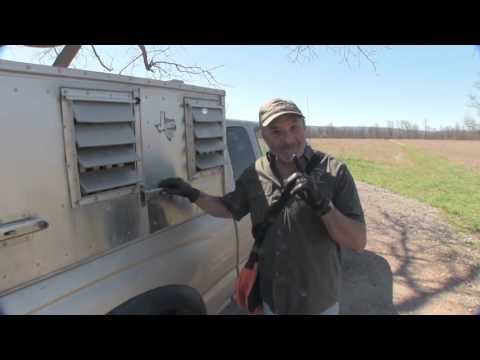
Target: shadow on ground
{"x": 409, "y": 252}
{"x": 367, "y": 284}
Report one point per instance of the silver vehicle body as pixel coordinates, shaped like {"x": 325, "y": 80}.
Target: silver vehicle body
{"x": 76, "y": 241}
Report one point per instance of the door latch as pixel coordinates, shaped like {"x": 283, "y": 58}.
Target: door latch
{"x": 21, "y": 227}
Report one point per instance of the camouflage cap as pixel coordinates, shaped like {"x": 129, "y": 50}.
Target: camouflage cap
{"x": 275, "y": 108}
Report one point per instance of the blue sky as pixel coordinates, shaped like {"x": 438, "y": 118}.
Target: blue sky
{"x": 410, "y": 82}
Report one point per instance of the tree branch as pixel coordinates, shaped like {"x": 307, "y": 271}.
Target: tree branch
{"x": 346, "y": 56}
{"x": 359, "y": 48}
{"x": 148, "y": 65}
{"x": 142, "y": 54}
{"x": 45, "y": 53}
{"x": 152, "y": 64}
{"x": 162, "y": 68}
{"x": 99, "y": 59}
{"x": 191, "y": 70}
{"x": 299, "y": 51}
{"x": 66, "y": 56}
{"x": 344, "y": 52}
{"x": 130, "y": 63}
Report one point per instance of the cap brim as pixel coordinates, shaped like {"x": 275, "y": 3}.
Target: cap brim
{"x": 275, "y": 116}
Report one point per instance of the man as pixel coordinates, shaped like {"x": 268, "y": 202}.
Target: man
{"x": 299, "y": 266}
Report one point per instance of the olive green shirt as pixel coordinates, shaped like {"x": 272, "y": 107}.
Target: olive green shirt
{"x": 299, "y": 266}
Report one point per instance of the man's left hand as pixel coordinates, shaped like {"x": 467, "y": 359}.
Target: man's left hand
{"x": 307, "y": 189}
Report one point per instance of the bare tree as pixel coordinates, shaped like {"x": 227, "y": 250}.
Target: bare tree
{"x": 155, "y": 60}
{"x": 391, "y": 129}
{"x": 158, "y": 63}
{"x": 345, "y": 52}
{"x": 470, "y": 123}
{"x": 472, "y": 126}
{"x": 474, "y": 101}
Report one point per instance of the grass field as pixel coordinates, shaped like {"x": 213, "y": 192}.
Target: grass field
{"x": 445, "y": 175}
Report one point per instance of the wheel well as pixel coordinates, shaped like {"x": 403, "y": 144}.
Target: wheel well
{"x": 165, "y": 300}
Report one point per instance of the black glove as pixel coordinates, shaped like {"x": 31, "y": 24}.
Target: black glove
{"x": 310, "y": 192}
{"x": 177, "y": 186}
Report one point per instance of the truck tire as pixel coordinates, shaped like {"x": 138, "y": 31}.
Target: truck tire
{"x": 167, "y": 300}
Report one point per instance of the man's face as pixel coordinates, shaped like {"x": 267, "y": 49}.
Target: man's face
{"x": 285, "y": 136}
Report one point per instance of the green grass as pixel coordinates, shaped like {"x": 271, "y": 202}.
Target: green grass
{"x": 430, "y": 179}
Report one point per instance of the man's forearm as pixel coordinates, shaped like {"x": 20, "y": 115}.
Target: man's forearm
{"x": 345, "y": 231}
{"x": 212, "y": 206}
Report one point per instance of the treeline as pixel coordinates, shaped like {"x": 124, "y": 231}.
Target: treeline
{"x": 376, "y": 132}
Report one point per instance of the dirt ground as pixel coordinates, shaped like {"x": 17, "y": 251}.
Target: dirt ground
{"x": 379, "y": 150}
{"x": 462, "y": 152}
{"x": 414, "y": 262}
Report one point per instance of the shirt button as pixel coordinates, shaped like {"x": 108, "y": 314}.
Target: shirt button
{"x": 277, "y": 253}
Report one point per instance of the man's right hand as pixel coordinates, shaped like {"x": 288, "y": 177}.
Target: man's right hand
{"x": 177, "y": 186}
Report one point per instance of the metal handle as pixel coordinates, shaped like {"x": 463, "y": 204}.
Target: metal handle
{"x": 146, "y": 195}
{"x": 21, "y": 227}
